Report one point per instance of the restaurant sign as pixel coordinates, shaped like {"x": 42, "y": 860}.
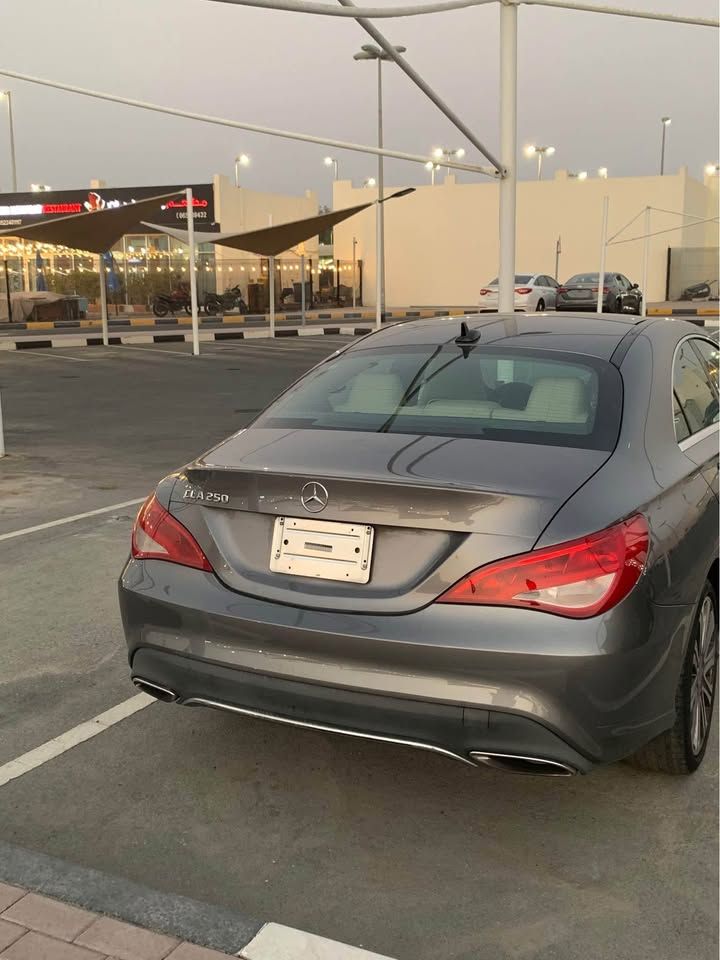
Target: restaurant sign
{"x": 24, "y": 209}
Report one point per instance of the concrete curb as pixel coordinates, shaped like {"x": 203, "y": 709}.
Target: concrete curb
{"x": 334, "y": 315}
{"x": 215, "y": 928}
{"x": 259, "y": 333}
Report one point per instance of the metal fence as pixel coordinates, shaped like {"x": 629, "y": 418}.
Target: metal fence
{"x": 687, "y": 266}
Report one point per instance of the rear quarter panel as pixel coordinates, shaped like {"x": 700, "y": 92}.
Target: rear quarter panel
{"x": 650, "y": 474}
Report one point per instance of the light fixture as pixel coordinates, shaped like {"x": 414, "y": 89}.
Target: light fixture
{"x": 40, "y": 187}
{"x": 712, "y": 169}
{"x": 370, "y": 182}
{"x": 603, "y": 173}
{"x": 532, "y": 150}
{"x": 580, "y": 175}
{"x": 666, "y": 120}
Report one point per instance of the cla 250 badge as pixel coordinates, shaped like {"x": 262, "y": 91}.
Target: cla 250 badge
{"x": 205, "y": 496}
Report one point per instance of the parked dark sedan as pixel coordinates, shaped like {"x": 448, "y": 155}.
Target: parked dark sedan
{"x": 492, "y": 538}
{"x": 581, "y": 293}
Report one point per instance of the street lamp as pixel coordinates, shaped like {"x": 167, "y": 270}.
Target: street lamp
{"x": 6, "y": 94}
{"x": 712, "y": 170}
{"x": 369, "y": 182}
{"x": 666, "y": 121}
{"x": 603, "y": 173}
{"x": 39, "y": 187}
{"x": 243, "y": 160}
{"x": 432, "y": 167}
{"x": 332, "y": 162}
{"x": 369, "y": 51}
{"x": 443, "y": 153}
{"x": 580, "y": 175}
{"x": 531, "y": 150}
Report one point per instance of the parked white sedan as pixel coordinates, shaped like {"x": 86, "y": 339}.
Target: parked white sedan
{"x": 532, "y": 292}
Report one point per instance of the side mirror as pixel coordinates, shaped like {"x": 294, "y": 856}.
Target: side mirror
{"x": 634, "y": 286}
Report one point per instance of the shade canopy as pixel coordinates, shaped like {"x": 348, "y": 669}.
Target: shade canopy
{"x": 271, "y": 241}
{"x": 96, "y": 231}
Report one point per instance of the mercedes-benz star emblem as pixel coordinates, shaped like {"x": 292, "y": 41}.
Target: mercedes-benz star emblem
{"x": 314, "y": 497}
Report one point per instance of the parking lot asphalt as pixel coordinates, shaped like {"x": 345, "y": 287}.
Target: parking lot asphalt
{"x": 400, "y": 852}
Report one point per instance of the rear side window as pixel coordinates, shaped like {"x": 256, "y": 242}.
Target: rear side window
{"x": 520, "y": 395}
{"x": 710, "y": 353}
{"x": 693, "y": 390}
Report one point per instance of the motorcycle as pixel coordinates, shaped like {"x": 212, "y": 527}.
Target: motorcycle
{"x": 164, "y": 303}
{"x": 699, "y": 291}
{"x": 221, "y": 303}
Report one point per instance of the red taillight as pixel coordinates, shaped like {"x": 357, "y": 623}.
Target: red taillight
{"x": 605, "y": 289}
{"x": 484, "y": 292}
{"x": 578, "y": 579}
{"x": 157, "y": 535}
{"x": 523, "y": 290}
{"x": 562, "y": 289}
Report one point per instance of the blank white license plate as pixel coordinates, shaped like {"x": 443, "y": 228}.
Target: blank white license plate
{"x": 322, "y": 549}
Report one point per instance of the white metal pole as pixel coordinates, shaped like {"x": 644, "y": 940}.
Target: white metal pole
{"x": 2, "y": 433}
{"x": 381, "y": 205}
{"x": 354, "y": 272}
{"x": 302, "y": 289}
{"x": 271, "y": 291}
{"x": 193, "y": 277}
{"x": 508, "y": 151}
{"x": 646, "y": 252}
{"x": 103, "y": 301}
{"x": 603, "y": 251}
{"x": 12, "y": 141}
{"x": 539, "y": 165}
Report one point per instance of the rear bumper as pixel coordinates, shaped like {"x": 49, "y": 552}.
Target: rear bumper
{"x": 452, "y": 678}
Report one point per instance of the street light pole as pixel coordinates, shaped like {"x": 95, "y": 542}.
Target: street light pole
{"x": 370, "y": 52}
{"x": 332, "y": 162}
{"x": 241, "y": 161}
{"x": 8, "y": 97}
{"x": 539, "y": 152}
{"x": 666, "y": 121}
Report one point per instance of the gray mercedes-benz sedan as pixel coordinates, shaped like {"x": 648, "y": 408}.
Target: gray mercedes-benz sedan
{"x": 492, "y": 537}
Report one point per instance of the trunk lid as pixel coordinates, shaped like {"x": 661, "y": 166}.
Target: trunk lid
{"x": 439, "y": 507}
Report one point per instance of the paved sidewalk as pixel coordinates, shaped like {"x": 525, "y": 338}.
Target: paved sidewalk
{"x": 33, "y": 927}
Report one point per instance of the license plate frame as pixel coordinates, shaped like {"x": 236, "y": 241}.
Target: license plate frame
{"x": 322, "y": 549}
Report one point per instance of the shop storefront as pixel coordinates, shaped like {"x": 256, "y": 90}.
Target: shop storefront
{"x": 142, "y": 263}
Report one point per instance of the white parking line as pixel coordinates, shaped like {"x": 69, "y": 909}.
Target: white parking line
{"x": 72, "y": 519}
{"x": 71, "y": 738}
{"x": 275, "y": 941}
{"x": 182, "y": 354}
{"x": 53, "y": 356}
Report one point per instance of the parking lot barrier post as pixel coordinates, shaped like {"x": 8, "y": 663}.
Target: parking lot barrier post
{"x": 302, "y": 289}
{"x": 193, "y": 276}
{"x": 2, "y": 434}
{"x": 271, "y": 292}
{"x": 103, "y": 301}
{"x": 603, "y": 251}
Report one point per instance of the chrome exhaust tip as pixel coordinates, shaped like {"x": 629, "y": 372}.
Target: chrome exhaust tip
{"x": 155, "y": 690}
{"x": 512, "y": 763}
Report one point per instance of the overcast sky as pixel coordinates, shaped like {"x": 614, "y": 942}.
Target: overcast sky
{"x": 593, "y": 86}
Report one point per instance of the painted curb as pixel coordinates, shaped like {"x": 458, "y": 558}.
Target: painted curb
{"x": 206, "y": 336}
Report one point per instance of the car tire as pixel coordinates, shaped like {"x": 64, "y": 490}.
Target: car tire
{"x": 680, "y": 749}
{"x": 540, "y": 305}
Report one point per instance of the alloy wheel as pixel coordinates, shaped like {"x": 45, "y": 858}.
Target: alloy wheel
{"x": 702, "y": 676}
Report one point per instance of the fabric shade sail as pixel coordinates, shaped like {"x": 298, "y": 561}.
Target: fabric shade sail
{"x": 96, "y": 231}
{"x": 271, "y": 241}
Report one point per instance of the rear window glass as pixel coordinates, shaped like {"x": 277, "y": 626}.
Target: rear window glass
{"x": 520, "y": 395}
{"x": 585, "y": 278}
{"x": 519, "y": 278}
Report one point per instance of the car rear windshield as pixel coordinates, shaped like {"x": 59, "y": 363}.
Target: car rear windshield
{"x": 583, "y": 278}
{"x": 520, "y": 395}
{"x": 519, "y": 278}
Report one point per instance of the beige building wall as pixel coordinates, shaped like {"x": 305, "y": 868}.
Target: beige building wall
{"x": 442, "y": 241}
{"x": 239, "y": 209}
